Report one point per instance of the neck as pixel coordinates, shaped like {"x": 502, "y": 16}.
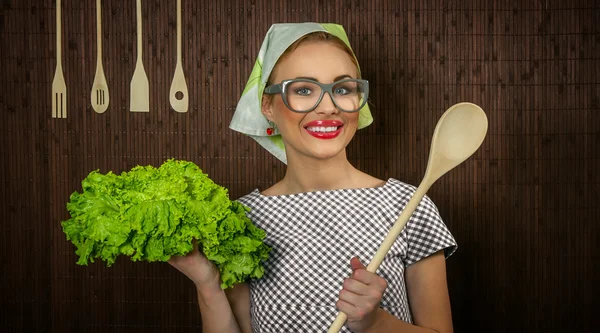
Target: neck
{"x": 305, "y": 174}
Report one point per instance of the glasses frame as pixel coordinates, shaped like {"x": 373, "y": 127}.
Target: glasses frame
{"x": 325, "y": 88}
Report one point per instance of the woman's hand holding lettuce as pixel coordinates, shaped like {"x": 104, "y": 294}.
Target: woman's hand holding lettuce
{"x": 152, "y": 214}
{"x": 199, "y": 269}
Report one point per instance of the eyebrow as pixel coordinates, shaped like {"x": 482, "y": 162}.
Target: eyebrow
{"x": 337, "y": 78}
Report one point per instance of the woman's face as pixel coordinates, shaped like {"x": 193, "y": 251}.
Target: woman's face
{"x": 324, "y": 132}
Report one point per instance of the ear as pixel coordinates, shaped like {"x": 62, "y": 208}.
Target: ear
{"x": 266, "y": 107}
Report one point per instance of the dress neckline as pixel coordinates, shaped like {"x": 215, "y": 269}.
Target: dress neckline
{"x": 257, "y": 192}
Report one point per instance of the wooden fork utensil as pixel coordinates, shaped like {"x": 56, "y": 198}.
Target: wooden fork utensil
{"x": 59, "y": 88}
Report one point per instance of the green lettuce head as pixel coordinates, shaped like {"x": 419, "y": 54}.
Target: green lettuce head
{"x": 152, "y": 214}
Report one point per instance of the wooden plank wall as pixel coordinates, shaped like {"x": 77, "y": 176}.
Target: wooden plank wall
{"x": 524, "y": 208}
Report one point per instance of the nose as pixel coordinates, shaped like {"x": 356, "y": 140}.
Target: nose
{"x": 326, "y": 106}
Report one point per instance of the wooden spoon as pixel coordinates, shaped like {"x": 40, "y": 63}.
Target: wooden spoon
{"x": 458, "y": 134}
{"x": 178, "y": 95}
{"x": 139, "y": 86}
{"x": 99, "y": 95}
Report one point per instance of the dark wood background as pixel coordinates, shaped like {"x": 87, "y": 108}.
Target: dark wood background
{"x": 524, "y": 208}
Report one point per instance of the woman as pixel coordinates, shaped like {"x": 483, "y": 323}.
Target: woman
{"x": 303, "y": 103}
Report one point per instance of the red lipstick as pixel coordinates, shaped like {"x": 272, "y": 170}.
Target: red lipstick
{"x": 324, "y": 129}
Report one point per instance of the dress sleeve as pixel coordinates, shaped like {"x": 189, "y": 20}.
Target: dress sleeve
{"x": 427, "y": 234}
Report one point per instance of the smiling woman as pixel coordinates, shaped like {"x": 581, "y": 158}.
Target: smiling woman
{"x": 324, "y": 213}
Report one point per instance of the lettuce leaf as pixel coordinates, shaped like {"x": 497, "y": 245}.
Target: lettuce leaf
{"x": 151, "y": 214}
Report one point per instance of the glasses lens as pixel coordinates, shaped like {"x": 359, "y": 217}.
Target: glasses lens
{"x": 302, "y": 95}
{"x": 349, "y": 95}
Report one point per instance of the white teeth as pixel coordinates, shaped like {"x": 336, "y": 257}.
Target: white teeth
{"x": 322, "y": 129}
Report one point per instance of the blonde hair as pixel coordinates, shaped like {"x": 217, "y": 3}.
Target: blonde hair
{"x": 318, "y": 36}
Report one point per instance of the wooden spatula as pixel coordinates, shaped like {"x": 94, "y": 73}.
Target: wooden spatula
{"x": 139, "y": 87}
{"x": 99, "y": 95}
{"x": 178, "y": 95}
{"x": 457, "y": 135}
{"x": 59, "y": 87}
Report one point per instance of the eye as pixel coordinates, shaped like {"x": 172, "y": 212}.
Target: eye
{"x": 345, "y": 90}
{"x": 341, "y": 91}
{"x": 302, "y": 91}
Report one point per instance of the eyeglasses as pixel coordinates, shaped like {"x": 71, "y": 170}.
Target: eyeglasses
{"x": 304, "y": 95}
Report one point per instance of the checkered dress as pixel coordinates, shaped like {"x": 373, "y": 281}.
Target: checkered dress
{"x": 313, "y": 236}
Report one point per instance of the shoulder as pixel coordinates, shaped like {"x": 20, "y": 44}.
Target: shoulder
{"x": 276, "y": 189}
{"x": 364, "y": 180}
{"x": 249, "y": 198}
{"x": 406, "y": 191}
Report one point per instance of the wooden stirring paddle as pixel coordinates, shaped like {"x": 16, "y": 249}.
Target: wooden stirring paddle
{"x": 139, "y": 100}
{"x": 458, "y": 134}
{"x": 178, "y": 95}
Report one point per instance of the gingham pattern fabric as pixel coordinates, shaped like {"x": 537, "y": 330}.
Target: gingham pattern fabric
{"x": 313, "y": 237}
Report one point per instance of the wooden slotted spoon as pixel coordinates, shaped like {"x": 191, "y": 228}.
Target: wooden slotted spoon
{"x": 178, "y": 95}
{"x": 139, "y": 86}
{"x": 458, "y": 134}
{"x": 99, "y": 96}
{"x": 59, "y": 87}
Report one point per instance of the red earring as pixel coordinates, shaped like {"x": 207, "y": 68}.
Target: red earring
{"x": 271, "y": 128}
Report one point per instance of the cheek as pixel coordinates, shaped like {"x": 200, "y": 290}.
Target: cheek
{"x": 353, "y": 119}
{"x": 283, "y": 116}
{"x": 278, "y": 106}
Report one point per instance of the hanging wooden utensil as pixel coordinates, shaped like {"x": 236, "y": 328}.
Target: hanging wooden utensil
{"x": 99, "y": 96}
{"x": 178, "y": 95}
{"x": 139, "y": 87}
{"x": 59, "y": 87}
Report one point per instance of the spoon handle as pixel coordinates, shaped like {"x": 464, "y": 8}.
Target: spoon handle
{"x": 58, "y": 35}
{"x": 98, "y": 33}
{"x": 179, "y": 31}
{"x": 397, "y": 228}
{"x": 387, "y": 243}
{"x": 138, "y": 14}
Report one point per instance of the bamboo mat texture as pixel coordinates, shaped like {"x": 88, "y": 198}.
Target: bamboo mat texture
{"x": 524, "y": 209}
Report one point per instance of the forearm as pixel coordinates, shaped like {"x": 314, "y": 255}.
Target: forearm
{"x": 215, "y": 310}
{"x": 387, "y": 323}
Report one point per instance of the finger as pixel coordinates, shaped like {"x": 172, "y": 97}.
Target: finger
{"x": 360, "y": 294}
{"x": 360, "y": 273}
{"x": 346, "y": 307}
{"x": 356, "y": 264}
{"x": 366, "y": 277}
{"x": 356, "y": 287}
{"x": 353, "y": 313}
{"x": 353, "y": 298}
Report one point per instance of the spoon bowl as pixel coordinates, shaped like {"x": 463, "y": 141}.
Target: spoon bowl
{"x": 458, "y": 134}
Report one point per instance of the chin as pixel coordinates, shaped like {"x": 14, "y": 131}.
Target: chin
{"x": 325, "y": 154}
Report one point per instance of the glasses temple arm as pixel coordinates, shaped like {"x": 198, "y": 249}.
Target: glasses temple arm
{"x": 273, "y": 89}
